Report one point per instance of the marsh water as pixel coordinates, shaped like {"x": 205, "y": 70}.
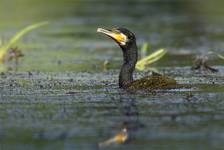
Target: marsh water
{"x": 62, "y": 97}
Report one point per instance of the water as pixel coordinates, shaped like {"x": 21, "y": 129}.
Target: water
{"x": 61, "y": 98}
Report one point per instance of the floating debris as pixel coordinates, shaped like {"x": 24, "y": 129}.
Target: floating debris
{"x": 201, "y": 63}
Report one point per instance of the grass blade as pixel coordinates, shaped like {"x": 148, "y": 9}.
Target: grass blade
{"x": 150, "y": 59}
{"x": 0, "y": 42}
{"x": 17, "y": 36}
{"x": 220, "y": 56}
{"x": 144, "y": 49}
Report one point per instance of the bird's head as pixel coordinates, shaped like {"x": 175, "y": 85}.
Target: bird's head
{"x": 122, "y": 36}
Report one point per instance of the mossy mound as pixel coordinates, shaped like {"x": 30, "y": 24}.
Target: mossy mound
{"x": 153, "y": 82}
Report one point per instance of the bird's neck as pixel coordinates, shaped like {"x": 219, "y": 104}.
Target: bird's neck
{"x": 130, "y": 56}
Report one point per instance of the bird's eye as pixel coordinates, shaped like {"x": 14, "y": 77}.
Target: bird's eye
{"x": 129, "y": 37}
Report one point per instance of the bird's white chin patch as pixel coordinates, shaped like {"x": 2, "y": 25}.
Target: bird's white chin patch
{"x": 124, "y": 39}
{"x": 123, "y": 43}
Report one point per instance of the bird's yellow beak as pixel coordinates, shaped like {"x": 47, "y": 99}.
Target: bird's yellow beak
{"x": 114, "y": 34}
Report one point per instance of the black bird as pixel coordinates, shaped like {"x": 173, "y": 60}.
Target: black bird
{"x": 127, "y": 42}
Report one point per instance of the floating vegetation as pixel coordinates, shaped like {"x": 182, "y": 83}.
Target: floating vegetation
{"x": 217, "y": 54}
{"x": 146, "y": 60}
{"x": 201, "y": 64}
{"x": 105, "y": 65}
{"x": 119, "y": 138}
{"x": 13, "y": 56}
{"x": 144, "y": 50}
{"x": 5, "y": 48}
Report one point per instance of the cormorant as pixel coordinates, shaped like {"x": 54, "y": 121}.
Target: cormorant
{"x": 127, "y": 42}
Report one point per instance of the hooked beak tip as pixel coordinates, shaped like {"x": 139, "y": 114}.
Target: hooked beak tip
{"x": 98, "y": 29}
{"x": 102, "y": 30}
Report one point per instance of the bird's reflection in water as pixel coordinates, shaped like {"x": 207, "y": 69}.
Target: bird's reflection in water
{"x": 130, "y": 123}
{"x": 119, "y": 138}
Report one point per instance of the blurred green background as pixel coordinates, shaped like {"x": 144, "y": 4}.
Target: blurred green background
{"x": 70, "y": 41}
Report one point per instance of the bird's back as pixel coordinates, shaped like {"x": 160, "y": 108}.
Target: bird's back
{"x": 153, "y": 82}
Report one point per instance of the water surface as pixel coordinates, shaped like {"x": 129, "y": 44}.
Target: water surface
{"x": 61, "y": 98}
